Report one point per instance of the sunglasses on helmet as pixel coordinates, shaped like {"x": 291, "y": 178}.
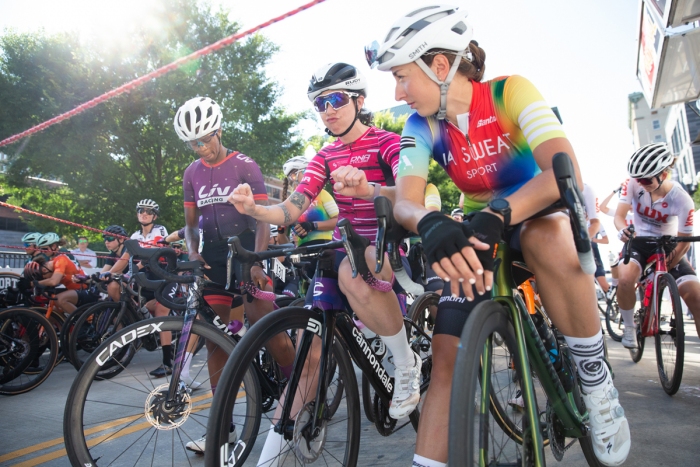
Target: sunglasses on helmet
{"x": 337, "y": 100}
{"x": 148, "y": 211}
{"x": 372, "y": 54}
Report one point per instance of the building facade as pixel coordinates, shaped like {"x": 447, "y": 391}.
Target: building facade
{"x": 668, "y": 125}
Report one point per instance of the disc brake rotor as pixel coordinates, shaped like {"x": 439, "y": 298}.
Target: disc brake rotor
{"x": 167, "y": 416}
{"x": 308, "y": 445}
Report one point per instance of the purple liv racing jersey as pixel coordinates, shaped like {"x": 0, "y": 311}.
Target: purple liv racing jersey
{"x": 207, "y": 187}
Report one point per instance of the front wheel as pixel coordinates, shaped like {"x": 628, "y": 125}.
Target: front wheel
{"x": 636, "y": 354}
{"x": 336, "y": 437}
{"x": 476, "y": 437}
{"x": 670, "y": 339}
{"x": 129, "y": 420}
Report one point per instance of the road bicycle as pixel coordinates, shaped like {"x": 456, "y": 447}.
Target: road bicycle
{"x": 313, "y": 431}
{"x": 28, "y": 350}
{"x": 660, "y": 315}
{"x": 503, "y": 353}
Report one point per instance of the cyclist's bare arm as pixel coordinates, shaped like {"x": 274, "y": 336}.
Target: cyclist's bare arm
{"x": 52, "y": 281}
{"x": 604, "y": 204}
{"x": 284, "y": 213}
{"x": 192, "y": 233}
{"x": 621, "y": 215}
{"x": 593, "y": 228}
{"x": 351, "y": 181}
{"x": 675, "y": 257}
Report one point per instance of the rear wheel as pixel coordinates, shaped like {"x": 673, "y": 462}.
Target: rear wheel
{"x": 127, "y": 420}
{"x": 28, "y": 350}
{"x": 670, "y": 340}
{"x": 476, "y": 435}
{"x": 613, "y": 319}
{"x": 94, "y": 326}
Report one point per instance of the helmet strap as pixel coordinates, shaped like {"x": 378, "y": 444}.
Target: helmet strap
{"x": 444, "y": 85}
{"x": 357, "y": 115}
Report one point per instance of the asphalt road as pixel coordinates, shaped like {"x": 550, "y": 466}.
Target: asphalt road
{"x": 665, "y": 430}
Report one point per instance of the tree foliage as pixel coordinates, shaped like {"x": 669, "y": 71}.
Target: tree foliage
{"x": 125, "y": 150}
{"x": 449, "y": 193}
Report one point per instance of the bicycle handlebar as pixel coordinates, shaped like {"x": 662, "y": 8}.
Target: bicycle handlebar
{"x": 389, "y": 235}
{"x": 153, "y": 257}
{"x": 573, "y": 199}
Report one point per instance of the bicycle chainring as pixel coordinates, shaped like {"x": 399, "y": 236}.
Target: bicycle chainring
{"x": 308, "y": 445}
{"x": 557, "y": 440}
{"x": 384, "y": 423}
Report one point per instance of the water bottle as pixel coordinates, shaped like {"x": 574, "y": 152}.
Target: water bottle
{"x": 548, "y": 339}
{"x": 236, "y": 328}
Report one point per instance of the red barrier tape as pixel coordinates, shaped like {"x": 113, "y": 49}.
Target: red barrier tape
{"x": 154, "y": 74}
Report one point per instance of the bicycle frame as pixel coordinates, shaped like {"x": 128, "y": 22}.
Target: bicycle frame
{"x": 531, "y": 355}
{"x": 650, "y": 323}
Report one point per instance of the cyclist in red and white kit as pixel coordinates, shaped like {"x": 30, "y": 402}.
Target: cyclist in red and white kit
{"x": 660, "y": 207}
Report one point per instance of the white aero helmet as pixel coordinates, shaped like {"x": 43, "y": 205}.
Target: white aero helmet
{"x": 336, "y": 76}
{"x": 429, "y": 27}
{"x": 295, "y": 163}
{"x": 197, "y": 118}
{"x": 148, "y": 204}
{"x": 649, "y": 160}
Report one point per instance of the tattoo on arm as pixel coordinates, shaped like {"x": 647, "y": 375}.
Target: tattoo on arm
{"x": 298, "y": 200}
{"x": 287, "y": 215}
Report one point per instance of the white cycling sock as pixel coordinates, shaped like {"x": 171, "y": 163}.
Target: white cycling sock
{"x": 273, "y": 450}
{"x": 627, "y": 317}
{"x": 588, "y": 354}
{"x": 613, "y": 282}
{"x": 398, "y": 345}
{"x": 186, "y": 366}
{"x": 420, "y": 461}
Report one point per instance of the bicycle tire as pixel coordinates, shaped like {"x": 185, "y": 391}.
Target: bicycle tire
{"x": 670, "y": 338}
{"x": 613, "y": 319}
{"x": 108, "y": 422}
{"x": 472, "y": 428}
{"x": 94, "y": 326}
{"x": 345, "y": 421}
{"x": 68, "y": 324}
{"x": 637, "y": 353}
{"x": 36, "y": 342}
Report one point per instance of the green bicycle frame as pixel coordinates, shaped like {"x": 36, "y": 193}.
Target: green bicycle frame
{"x": 531, "y": 354}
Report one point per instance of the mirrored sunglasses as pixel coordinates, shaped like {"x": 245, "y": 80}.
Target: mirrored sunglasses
{"x": 29, "y": 245}
{"x": 148, "y": 211}
{"x": 83, "y": 241}
{"x": 337, "y": 100}
{"x": 109, "y": 239}
{"x": 645, "y": 181}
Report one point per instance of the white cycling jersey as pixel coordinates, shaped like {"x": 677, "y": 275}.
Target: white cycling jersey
{"x": 669, "y": 215}
{"x": 158, "y": 232}
{"x": 591, "y": 202}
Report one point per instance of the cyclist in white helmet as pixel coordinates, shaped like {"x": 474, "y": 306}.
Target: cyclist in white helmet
{"x": 495, "y": 140}
{"x": 207, "y": 183}
{"x": 660, "y": 207}
{"x": 29, "y": 241}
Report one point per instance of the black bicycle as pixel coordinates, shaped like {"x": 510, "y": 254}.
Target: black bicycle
{"x": 315, "y": 425}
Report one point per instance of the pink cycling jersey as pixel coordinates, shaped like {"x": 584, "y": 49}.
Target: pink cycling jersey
{"x": 376, "y": 152}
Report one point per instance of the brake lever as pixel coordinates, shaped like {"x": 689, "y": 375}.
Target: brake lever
{"x": 381, "y": 243}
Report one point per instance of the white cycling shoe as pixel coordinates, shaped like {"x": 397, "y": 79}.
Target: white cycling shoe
{"x": 406, "y": 389}
{"x": 629, "y": 337}
{"x": 190, "y": 383}
{"x": 610, "y": 431}
{"x": 197, "y": 445}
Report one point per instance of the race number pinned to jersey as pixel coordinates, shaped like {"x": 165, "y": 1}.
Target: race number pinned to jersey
{"x": 278, "y": 269}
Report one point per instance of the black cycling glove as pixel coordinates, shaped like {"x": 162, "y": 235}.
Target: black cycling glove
{"x": 442, "y": 236}
{"x": 308, "y": 226}
{"x": 488, "y": 228}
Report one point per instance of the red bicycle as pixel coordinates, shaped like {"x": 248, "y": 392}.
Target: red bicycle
{"x": 661, "y": 315}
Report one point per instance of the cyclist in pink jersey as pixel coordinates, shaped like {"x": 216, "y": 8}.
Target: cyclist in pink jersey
{"x": 496, "y": 141}
{"x": 661, "y": 207}
{"x": 360, "y": 153}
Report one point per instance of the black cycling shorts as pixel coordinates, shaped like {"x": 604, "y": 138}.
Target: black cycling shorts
{"x": 215, "y": 254}
{"x": 452, "y": 312}
{"x": 599, "y": 268}
{"x": 641, "y": 251}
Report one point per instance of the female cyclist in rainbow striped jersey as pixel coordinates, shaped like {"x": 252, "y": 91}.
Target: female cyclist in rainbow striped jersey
{"x": 495, "y": 140}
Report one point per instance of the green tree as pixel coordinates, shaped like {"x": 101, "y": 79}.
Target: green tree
{"x": 126, "y": 149}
